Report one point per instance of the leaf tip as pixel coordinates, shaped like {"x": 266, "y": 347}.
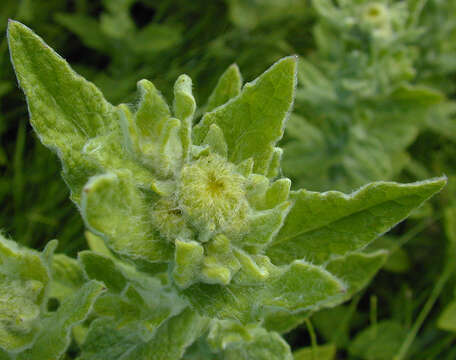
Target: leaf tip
{"x": 15, "y": 27}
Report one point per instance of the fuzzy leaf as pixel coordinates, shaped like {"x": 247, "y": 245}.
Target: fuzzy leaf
{"x": 332, "y": 223}
{"x": 67, "y": 276}
{"x": 254, "y": 121}
{"x": 184, "y": 107}
{"x": 264, "y": 226}
{"x": 189, "y": 258}
{"x": 55, "y": 337}
{"x": 283, "y": 321}
{"x": 299, "y": 286}
{"x": 104, "y": 341}
{"x": 134, "y": 300}
{"x": 24, "y": 279}
{"x": 228, "y": 86}
{"x": 263, "y": 345}
{"x": 103, "y": 269}
{"x": 356, "y": 270}
{"x": 115, "y": 209}
{"x": 65, "y": 109}
{"x": 152, "y": 134}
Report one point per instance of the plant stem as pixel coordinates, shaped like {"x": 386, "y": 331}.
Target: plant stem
{"x": 426, "y": 309}
{"x": 313, "y": 337}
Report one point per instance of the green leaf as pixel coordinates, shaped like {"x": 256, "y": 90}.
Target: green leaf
{"x": 323, "y": 352}
{"x": 398, "y": 258}
{"x": 379, "y": 341}
{"x": 134, "y": 300}
{"x": 155, "y": 38}
{"x": 97, "y": 245}
{"x": 321, "y": 225}
{"x": 216, "y": 141}
{"x": 55, "y": 337}
{"x": 250, "y": 14}
{"x": 189, "y": 259}
{"x": 103, "y": 269}
{"x": 65, "y": 109}
{"x": 172, "y": 338}
{"x": 283, "y": 321}
{"x": 254, "y": 121}
{"x": 151, "y": 133}
{"x": 86, "y": 28}
{"x": 105, "y": 341}
{"x": 67, "y": 277}
{"x": 335, "y": 324}
{"x": 418, "y": 95}
{"x": 264, "y": 226}
{"x": 299, "y": 286}
{"x": 115, "y": 209}
{"x": 24, "y": 280}
{"x": 356, "y": 270}
{"x": 228, "y": 86}
{"x": 252, "y": 343}
{"x": 184, "y": 107}
{"x": 447, "y": 319}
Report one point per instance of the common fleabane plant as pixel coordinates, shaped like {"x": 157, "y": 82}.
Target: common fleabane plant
{"x": 205, "y": 243}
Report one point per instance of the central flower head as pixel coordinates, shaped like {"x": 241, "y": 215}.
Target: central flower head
{"x": 212, "y": 194}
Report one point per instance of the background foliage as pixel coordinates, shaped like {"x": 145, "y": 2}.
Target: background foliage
{"x": 375, "y": 101}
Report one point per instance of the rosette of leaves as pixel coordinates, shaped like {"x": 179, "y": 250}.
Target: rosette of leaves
{"x": 358, "y": 105}
{"x": 28, "y": 329}
{"x": 201, "y": 205}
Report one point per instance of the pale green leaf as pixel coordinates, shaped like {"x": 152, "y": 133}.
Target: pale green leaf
{"x": 134, "y": 300}
{"x": 220, "y": 263}
{"x": 53, "y": 340}
{"x": 188, "y": 262}
{"x": 184, "y": 107}
{"x": 115, "y": 209}
{"x": 299, "y": 286}
{"x": 67, "y": 276}
{"x": 254, "y": 121}
{"x": 97, "y": 245}
{"x": 65, "y": 109}
{"x": 283, "y": 321}
{"x": 216, "y": 141}
{"x": 263, "y": 345}
{"x": 103, "y": 269}
{"x": 228, "y": 86}
{"x": 264, "y": 225}
{"x": 24, "y": 280}
{"x": 324, "y": 224}
{"x": 151, "y": 133}
{"x": 105, "y": 341}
